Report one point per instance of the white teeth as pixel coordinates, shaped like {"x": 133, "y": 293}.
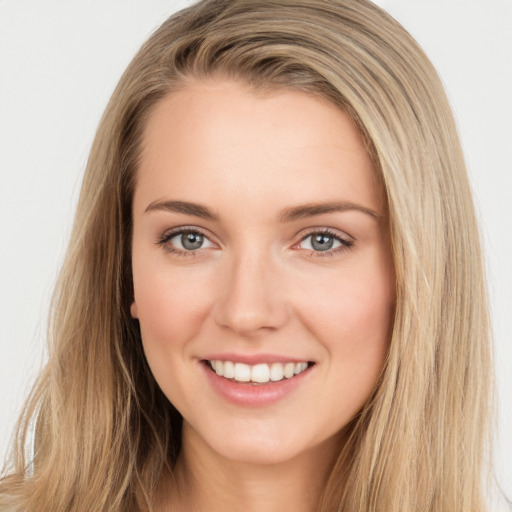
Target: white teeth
{"x": 258, "y": 373}
{"x": 300, "y": 367}
{"x": 229, "y": 370}
{"x": 276, "y": 371}
{"x": 242, "y": 372}
{"x": 289, "y": 370}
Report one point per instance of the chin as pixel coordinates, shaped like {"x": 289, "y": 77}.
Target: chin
{"x": 258, "y": 454}
{"x": 262, "y": 448}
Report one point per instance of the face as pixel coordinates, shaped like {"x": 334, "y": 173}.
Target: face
{"x": 262, "y": 271}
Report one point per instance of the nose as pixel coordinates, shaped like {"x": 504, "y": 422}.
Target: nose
{"x": 252, "y": 298}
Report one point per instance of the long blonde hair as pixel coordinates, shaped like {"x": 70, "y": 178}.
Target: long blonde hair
{"x": 105, "y": 432}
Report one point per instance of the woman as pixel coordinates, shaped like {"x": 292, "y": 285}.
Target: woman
{"x": 268, "y": 299}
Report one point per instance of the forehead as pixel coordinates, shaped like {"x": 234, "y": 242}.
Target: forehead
{"x": 218, "y": 139}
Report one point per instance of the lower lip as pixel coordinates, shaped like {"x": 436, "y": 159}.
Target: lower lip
{"x": 250, "y": 395}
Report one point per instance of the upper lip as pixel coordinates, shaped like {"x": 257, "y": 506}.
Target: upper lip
{"x": 252, "y": 359}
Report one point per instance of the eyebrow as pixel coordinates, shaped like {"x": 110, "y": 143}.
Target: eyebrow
{"x": 287, "y": 215}
{"x": 312, "y": 209}
{"x": 183, "y": 207}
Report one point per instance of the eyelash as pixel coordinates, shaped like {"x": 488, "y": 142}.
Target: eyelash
{"x": 163, "y": 241}
{"x": 345, "y": 244}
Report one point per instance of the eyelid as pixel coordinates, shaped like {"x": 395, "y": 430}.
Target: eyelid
{"x": 345, "y": 240}
{"x": 169, "y": 234}
{"x": 342, "y": 235}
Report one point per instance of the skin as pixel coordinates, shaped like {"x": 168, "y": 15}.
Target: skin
{"x": 257, "y": 285}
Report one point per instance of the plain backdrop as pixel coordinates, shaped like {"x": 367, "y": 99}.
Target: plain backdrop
{"x": 59, "y": 63}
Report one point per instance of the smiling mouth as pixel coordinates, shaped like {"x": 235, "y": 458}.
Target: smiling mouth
{"x": 259, "y": 373}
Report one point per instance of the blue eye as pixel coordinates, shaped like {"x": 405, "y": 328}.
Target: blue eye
{"x": 189, "y": 241}
{"x": 323, "y": 241}
{"x": 185, "y": 241}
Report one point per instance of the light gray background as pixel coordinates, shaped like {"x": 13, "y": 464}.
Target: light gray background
{"x": 59, "y": 62}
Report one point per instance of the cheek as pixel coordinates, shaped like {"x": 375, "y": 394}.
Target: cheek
{"x": 355, "y": 303}
{"x": 171, "y": 304}
{"x": 171, "y": 309}
{"x": 353, "y": 321}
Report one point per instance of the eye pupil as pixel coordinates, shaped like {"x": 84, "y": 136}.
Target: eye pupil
{"x": 191, "y": 241}
{"x": 322, "y": 242}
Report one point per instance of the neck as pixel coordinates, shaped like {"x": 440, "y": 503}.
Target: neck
{"x": 209, "y": 482}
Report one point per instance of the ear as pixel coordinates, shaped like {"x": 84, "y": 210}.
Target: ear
{"x": 134, "y": 310}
